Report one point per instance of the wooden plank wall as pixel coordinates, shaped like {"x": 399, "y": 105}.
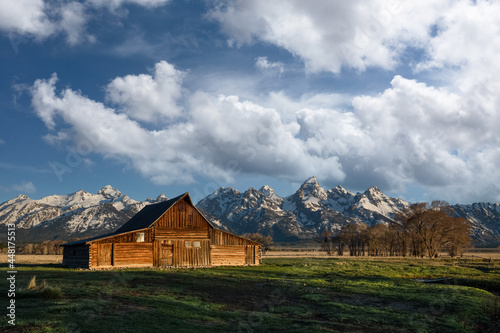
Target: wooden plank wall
{"x": 182, "y": 216}
{"x": 76, "y": 256}
{"x": 129, "y": 237}
{"x": 219, "y": 237}
{"x": 191, "y": 256}
{"x": 228, "y": 255}
{"x": 105, "y": 254}
{"x": 133, "y": 254}
{"x": 93, "y": 255}
{"x": 181, "y": 234}
{"x": 162, "y": 253}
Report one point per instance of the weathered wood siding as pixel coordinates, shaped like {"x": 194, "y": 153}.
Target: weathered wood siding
{"x": 76, "y": 256}
{"x": 104, "y": 254}
{"x": 129, "y": 237}
{"x": 162, "y": 253}
{"x": 93, "y": 255}
{"x": 182, "y": 216}
{"x": 219, "y": 237}
{"x": 133, "y": 254}
{"x": 184, "y": 256}
{"x": 235, "y": 255}
{"x": 228, "y": 255}
{"x": 181, "y": 234}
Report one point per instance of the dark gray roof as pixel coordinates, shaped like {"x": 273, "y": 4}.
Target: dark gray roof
{"x": 85, "y": 240}
{"x": 148, "y": 215}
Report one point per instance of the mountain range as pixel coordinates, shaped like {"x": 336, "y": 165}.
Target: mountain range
{"x": 76, "y": 215}
{"x": 302, "y": 215}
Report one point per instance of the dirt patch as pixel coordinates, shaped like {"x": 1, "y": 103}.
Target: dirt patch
{"x": 493, "y": 255}
{"x": 34, "y": 258}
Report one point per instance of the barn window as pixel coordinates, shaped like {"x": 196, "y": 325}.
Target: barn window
{"x": 197, "y": 244}
{"x": 140, "y": 237}
{"x": 189, "y": 244}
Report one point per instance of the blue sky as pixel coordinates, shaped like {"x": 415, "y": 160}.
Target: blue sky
{"x": 170, "y": 96}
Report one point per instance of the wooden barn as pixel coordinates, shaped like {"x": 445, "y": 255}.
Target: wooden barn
{"x": 170, "y": 233}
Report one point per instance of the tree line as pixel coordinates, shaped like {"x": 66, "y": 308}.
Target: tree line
{"x": 420, "y": 230}
{"x": 45, "y": 247}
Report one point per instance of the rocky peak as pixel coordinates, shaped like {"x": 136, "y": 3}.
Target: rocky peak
{"x": 311, "y": 188}
{"x": 109, "y": 192}
{"x": 21, "y": 197}
{"x": 339, "y": 191}
{"x": 267, "y": 191}
{"x": 223, "y": 191}
{"x": 78, "y": 196}
{"x": 161, "y": 197}
{"x": 373, "y": 193}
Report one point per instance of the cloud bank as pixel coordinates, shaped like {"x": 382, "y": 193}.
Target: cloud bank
{"x": 440, "y": 135}
{"x": 411, "y": 133}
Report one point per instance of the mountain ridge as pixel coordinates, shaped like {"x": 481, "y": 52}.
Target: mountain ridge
{"x": 78, "y": 214}
{"x": 312, "y": 209}
{"x": 301, "y": 215}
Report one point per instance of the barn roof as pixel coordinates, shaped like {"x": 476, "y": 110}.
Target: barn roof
{"x": 85, "y": 240}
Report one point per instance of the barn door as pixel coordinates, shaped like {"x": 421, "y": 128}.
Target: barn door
{"x": 250, "y": 255}
{"x": 166, "y": 255}
{"x": 105, "y": 254}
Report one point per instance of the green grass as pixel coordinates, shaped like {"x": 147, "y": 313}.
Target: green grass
{"x": 281, "y": 295}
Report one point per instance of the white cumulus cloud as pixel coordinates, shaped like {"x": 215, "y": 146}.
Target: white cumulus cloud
{"x": 41, "y": 19}
{"x": 25, "y": 17}
{"x": 148, "y": 98}
{"x": 410, "y": 134}
{"x": 329, "y": 35}
{"x": 219, "y": 136}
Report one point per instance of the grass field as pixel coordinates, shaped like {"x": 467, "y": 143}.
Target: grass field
{"x": 281, "y": 295}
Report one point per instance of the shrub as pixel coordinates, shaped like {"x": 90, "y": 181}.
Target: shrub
{"x": 43, "y": 290}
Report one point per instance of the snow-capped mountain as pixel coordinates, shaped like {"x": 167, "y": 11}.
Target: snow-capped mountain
{"x": 313, "y": 209}
{"x": 485, "y": 220}
{"x": 303, "y": 214}
{"x": 77, "y": 214}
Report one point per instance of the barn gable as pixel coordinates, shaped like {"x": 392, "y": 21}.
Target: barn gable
{"x": 151, "y": 213}
{"x": 169, "y": 233}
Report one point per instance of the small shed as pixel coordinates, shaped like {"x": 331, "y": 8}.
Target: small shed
{"x": 170, "y": 233}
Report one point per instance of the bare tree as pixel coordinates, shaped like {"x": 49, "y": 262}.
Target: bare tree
{"x": 427, "y": 229}
{"x": 326, "y": 242}
{"x": 266, "y": 241}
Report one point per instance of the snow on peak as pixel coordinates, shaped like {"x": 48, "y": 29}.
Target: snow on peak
{"x": 373, "y": 193}
{"x": 339, "y": 199}
{"x": 312, "y": 180}
{"x": 373, "y": 189}
{"x": 267, "y": 191}
{"x": 376, "y": 201}
{"x": 311, "y": 188}
{"x": 161, "y": 197}
{"x": 21, "y": 197}
{"x": 109, "y": 192}
{"x": 339, "y": 190}
{"x": 224, "y": 191}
